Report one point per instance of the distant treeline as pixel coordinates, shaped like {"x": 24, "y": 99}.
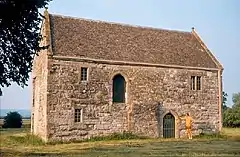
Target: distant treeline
{"x": 2, "y": 117}
{"x": 231, "y": 115}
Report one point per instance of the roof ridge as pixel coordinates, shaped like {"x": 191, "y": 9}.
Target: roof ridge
{"x": 121, "y": 24}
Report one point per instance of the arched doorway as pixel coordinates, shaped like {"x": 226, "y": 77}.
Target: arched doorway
{"x": 168, "y": 126}
{"x": 119, "y": 85}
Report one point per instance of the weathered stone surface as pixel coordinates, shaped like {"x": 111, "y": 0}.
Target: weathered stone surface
{"x": 151, "y": 93}
{"x": 39, "y": 101}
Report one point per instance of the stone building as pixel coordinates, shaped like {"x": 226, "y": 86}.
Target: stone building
{"x": 97, "y": 78}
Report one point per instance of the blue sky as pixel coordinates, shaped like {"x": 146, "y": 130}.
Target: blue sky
{"x": 216, "y": 22}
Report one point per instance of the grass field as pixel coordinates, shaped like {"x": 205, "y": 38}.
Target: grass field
{"x": 18, "y": 142}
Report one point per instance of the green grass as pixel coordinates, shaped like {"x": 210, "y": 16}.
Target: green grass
{"x": 18, "y": 142}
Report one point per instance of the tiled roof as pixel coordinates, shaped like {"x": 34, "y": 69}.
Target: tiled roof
{"x": 76, "y": 37}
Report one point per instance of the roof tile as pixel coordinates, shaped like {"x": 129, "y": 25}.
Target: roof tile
{"x": 110, "y": 41}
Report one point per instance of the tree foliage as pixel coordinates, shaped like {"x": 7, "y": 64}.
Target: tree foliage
{"x": 236, "y": 100}
{"x": 12, "y": 120}
{"x": 19, "y": 39}
{"x": 224, "y": 105}
{"x": 231, "y": 116}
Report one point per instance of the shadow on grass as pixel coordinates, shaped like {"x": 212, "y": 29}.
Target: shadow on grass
{"x": 32, "y": 154}
{"x": 14, "y": 153}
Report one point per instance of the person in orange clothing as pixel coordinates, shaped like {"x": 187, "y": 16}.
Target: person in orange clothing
{"x": 188, "y": 125}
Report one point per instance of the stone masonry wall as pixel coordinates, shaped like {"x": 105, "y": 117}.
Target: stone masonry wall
{"x": 39, "y": 91}
{"x": 39, "y": 102}
{"x": 151, "y": 92}
{"x": 157, "y": 91}
{"x": 66, "y": 92}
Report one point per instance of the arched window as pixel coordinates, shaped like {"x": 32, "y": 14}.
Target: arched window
{"x": 119, "y": 89}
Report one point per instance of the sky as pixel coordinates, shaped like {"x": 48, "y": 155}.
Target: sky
{"x": 215, "y": 21}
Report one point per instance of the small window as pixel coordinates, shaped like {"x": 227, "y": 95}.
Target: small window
{"x": 198, "y": 82}
{"x": 78, "y": 115}
{"x": 84, "y": 74}
{"x": 192, "y": 82}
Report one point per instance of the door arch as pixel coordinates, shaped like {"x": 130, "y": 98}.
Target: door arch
{"x": 168, "y": 126}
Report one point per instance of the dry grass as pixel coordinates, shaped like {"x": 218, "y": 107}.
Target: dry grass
{"x": 231, "y": 132}
{"x": 17, "y": 142}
